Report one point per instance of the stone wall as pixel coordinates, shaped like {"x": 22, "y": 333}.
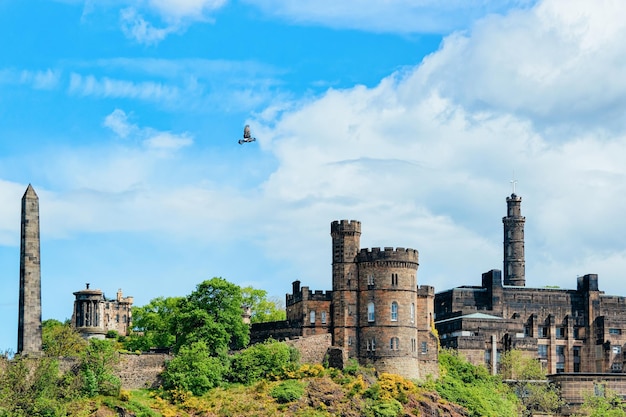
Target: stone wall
{"x": 574, "y": 387}
{"x": 312, "y": 348}
{"x": 134, "y": 371}
{"x": 141, "y": 371}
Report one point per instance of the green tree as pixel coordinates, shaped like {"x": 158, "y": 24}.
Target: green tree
{"x": 263, "y": 309}
{"x": 608, "y": 405}
{"x": 98, "y": 368}
{"x": 153, "y": 324}
{"x": 213, "y": 313}
{"x": 529, "y": 383}
{"x": 30, "y": 387}
{"x": 60, "y": 339}
{"x": 194, "y": 369}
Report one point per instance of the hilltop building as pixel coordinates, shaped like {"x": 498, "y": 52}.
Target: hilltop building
{"x": 375, "y": 312}
{"x": 569, "y": 331}
{"x": 94, "y": 315}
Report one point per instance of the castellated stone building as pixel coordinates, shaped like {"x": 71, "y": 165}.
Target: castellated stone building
{"x": 375, "y": 312}
{"x": 94, "y": 315}
{"x": 578, "y": 330}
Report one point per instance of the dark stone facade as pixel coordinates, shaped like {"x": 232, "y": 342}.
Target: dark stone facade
{"x": 581, "y": 330}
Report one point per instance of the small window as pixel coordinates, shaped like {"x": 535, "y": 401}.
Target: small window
{"x": 370, "y": 312}
{"x": 560, "y": 332}
{"x": 370, "y": 280}
{"x": 617, "y": 350}
{"x": 312, "y": 316}
{"x": 615, "y": 331}
{"x": 394, "y": 343}
{"x": 412, "y": 313}
{"x": 323, "y": 317}
{"x": 394, "y": 311}
{"x": 350, "y": 340}
{"x": 394, "y": 279}
{"x": 371, "y": 344}
{"x": 543, "y": 331}
{"x": 542, "y": 351}
{"x": 413, "y": 345}
{"x": 424, "y": 347}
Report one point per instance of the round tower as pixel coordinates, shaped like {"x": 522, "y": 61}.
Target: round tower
{"x": 514, "y": 264}
{"x": 387, "y": 328}
{"x": 346, "y": 237}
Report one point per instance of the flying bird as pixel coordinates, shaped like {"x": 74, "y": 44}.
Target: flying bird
{"x": 247, "y": 137}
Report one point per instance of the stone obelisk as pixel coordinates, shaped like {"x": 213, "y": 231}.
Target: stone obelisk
{"x": 29, "y": 326}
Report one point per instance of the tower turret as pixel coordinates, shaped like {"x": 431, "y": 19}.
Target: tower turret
{"x": 29, "y": 340}
{"x": 514, "y": 264}
{"x": 346, "y": 236}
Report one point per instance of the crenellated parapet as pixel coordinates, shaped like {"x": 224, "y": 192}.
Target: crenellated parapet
{"x": 400, "y": 255}
{"x": 343, "y": 226}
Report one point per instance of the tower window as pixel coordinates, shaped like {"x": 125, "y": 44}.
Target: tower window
{"x": 370, "y": 312}
{"x": 394, "y": 311}
{"x": 424, "y": 348}
{"x": 312, "y": 316}
{"x": 394, "y": 279}
{"x": 323, "y": 317}
{"x": 394, "y": 343}
{"x": 370, "y": 280}
{"x": 412, "y": 313}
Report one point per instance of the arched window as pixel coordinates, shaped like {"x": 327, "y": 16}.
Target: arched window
{"x": 412, "y": 312}
{"x": 394, "y": 311}
{"x": 312, "y": 315}
{"x": 394, "y": 343}
{"x": 370, "y": 311}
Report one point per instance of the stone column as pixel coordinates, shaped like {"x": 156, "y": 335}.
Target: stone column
{"x": 29, "y": 339}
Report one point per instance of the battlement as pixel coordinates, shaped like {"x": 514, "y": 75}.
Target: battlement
{"x": 353, "y": 226}
{"x": 426, "y": 291}
{"x": 388, "y": 254}
{"x": 304, "y": 294}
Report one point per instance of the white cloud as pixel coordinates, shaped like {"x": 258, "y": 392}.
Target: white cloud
{"x": 118, "y": 123}
{"x": 186, "y": 9}
{"x": 41, "y": 80}
{"x": 152, "y": 139}
{"x": 136, "y": 27}
{"x": 106, "y": 87}
{"x": 167, "y": 141}
{"x": 553, "y": 64}
{"x": 400, "y": 16}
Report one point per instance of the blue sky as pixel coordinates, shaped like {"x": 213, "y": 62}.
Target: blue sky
{"x": 409, "y": 116}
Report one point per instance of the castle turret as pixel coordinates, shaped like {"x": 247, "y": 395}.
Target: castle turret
{"x": 29, "y": 340}
{"x": 514, "y": 264}
{"x": 388, "y": 310}
{"x": 346, "y": 236}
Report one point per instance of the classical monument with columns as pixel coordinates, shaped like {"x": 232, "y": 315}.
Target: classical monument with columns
{"x": 95, "y": 315}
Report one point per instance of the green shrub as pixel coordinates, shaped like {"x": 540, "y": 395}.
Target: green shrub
{"x": 193, "y": 369}
{"x": 387, "y": 408}
{"x": 270, "y": 359}
{"x": 483, "y": 395}
{"x": 287, "y": 391}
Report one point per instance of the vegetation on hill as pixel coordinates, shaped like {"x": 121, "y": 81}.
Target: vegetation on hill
{"x": 215, "y": 373}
